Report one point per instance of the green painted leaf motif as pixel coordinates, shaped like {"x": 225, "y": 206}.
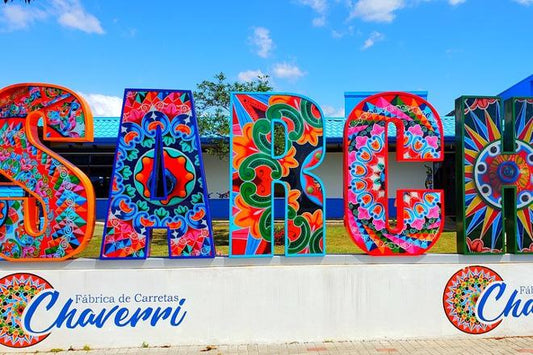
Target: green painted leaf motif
{"x": 130, "y": 191}
{"x": 161, "y": 213}
{"x": 291, "y": 213}
{"x": 168, "y": 140}
{"x": 132, "y": 155}
{"x": 197, "y": 198}
{"x": 126, "y": 172}
{"x": 148, "y": 142}
{"x": 181, "y": 210}
{"x": 142, "y": 205}
{"x": 186, "y": 146}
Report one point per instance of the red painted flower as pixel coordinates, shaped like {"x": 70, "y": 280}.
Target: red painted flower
{"x": 482, "y": 104}
{"x": 477, "y": 246}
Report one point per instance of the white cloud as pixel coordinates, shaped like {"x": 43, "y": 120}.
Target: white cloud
{"x": 73, "y": 15}
{"x": 17, "y": 17}
{"x": 336, "y": 34}
{"x": 69, "y": 13}
{"x": 287, "y": 71}
{"x": 103, "y": 105}
{"x": 376, "y": 10}
{"x": 372, "y": 39}
{"x": 318, "y": 6}
{"x": 319, "y": 21}
{"x": 249, "y": 75}
{"x": 524, "y": 2}
{"x": 262, "y": 41}
{"x": 330, "y": 111}
{"x": 385, "y": 10}
{"x": 340, "y": 34}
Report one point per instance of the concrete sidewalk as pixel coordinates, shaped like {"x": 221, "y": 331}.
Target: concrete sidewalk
{"x": 473, "y": 345}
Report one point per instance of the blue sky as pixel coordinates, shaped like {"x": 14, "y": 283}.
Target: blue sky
{"x": 320, "y": 48}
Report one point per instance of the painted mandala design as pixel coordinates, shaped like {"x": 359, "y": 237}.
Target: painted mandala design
{"x": 489, "y": 169}
{"x": 461, "y": 295}
{"x": 255, "y": 170}
{"x": 55, "y": 219}
{"x": 366, "y": 151}
{"x": 158, "y": 179}
{"x": 493, "y": 170}
{"x": 179, "y": 180}
{"x": 16, "y": 291}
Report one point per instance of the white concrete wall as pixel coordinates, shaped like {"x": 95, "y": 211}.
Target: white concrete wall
{"x": 401, "y": 175}
{"x": 405, "y": 175}
{"x": 274, "y": 300}
{"x": 217, "y": 174}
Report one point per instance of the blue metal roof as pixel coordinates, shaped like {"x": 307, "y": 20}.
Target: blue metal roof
{"x": 522, "y": 88}
{"x": 106, "y": 130}
{"x": 106, "y": 127}
{"x": 335, "y": 129}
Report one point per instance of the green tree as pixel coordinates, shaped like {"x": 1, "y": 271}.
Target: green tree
{"x": 211, "y": 100}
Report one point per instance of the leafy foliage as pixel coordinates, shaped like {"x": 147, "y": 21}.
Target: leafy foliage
{"x": 212, "y": 100}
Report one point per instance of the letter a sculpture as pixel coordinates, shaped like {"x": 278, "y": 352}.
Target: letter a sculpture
{"x": 158, "y": 179}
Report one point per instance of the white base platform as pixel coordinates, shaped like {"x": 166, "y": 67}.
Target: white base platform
{"x": 265, "y": 300}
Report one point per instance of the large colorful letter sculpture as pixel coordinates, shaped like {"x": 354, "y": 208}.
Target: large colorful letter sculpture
{"x": 419, "y": 138}
{"x": 56, "y": 218}
{"x": 494, "y": 175}
{"x": 158, "y": 179}
{"x": 255, "y": 168}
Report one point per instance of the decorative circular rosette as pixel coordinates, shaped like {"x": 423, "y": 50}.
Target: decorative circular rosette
{"x": 180, "y": 176}
{"x": 494, "y": 170}
{"x": 16, "y": 291}
{"x": 461, "y": 295}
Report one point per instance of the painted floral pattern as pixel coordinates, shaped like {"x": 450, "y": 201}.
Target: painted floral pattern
{"x": 255, "y": 170}
{"x": 420, "y": 216}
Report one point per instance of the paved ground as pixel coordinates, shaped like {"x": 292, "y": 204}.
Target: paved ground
{"x": 515, "y": 345}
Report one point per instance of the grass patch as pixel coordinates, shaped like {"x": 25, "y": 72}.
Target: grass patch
{"x": 337, "y": 242}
